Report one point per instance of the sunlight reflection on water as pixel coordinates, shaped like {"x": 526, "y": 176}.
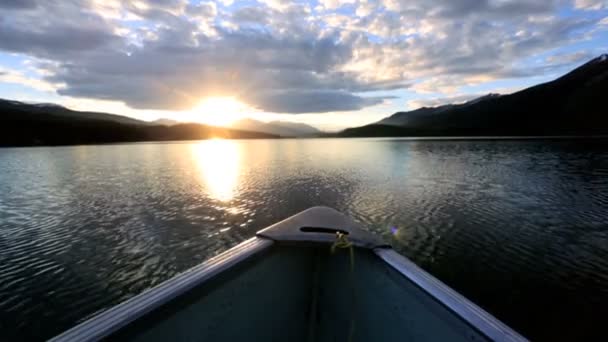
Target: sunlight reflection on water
{"x": 219, "y": 164}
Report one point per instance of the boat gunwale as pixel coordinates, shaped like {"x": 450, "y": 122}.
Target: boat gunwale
{"x": 107, "y": 322}
{"x": 112, "y": 320}
{"x": 463, "y": 308}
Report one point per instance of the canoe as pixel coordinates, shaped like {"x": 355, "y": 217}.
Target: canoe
{"x": 316, "y": 276}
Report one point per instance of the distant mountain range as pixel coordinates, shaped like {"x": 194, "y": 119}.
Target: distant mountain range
{"x": 284, "y": 129}
{"x": 574, "y": 104}
{"x": 164, "y": 122}
{"x": 23, "y": 124}
{"x": 281, "y": 128}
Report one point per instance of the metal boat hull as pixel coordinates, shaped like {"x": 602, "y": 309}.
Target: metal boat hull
{"x": 285, "y": 284}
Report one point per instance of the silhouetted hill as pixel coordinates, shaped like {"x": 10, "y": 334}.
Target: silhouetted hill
{"x": 57, "y": 111}
{"x": 29, "y": 125}
{"x": 574, "y": 104}
{"x": 424, "y": 114}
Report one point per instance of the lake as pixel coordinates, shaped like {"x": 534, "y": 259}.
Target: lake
{"x": 518, "y": 227}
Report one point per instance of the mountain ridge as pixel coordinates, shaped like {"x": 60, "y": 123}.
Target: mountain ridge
{"x": 61, "y": 111}
{"x": 23, "y": 124}
{"x": 570, "y": 104}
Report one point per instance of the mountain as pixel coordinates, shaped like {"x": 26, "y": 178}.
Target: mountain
{"x": 164, "y": 122}
{"x": 23, "y": 124}
{"x": 57, "y": 111}
{"x": 573, "y": 104}
{"x": 282, "y": 128}
{"x": 420, "y": 115}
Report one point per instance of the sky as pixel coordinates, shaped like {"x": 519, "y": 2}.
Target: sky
{"x": 332, "y": 64}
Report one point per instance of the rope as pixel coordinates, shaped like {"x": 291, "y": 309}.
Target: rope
{"x": 342, "y": 242}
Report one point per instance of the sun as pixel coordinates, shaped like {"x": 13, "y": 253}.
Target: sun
{"x": 219, "y": 111}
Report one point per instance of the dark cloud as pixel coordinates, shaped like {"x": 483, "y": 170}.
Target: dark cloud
{"x": 283, "y": 74}
{"x": 61, "y": 40}
{"x": 56, "y": 30}
{"x": 310, "y": 101}
{"x": 463, "y": 8}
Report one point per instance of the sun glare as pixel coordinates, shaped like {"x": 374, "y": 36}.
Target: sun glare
{"x": 219, "y": 111}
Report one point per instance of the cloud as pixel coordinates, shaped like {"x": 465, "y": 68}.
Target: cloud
{"x": 239, "y": 63}
{"x": 311, "y": 101}
{"x": 203, "y": 9}
{"x": 568, "y": 58}
{"x": 478, "y": 51}
{"x": 15, "y": 77}
{"x": 283, "y": 56}
{"x": 276, "y": 4}
{"x": 590, "y": 4}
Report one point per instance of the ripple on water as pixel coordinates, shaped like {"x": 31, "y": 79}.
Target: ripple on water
{"x": 519, "y": 227}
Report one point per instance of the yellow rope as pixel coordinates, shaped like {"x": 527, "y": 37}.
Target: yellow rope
{"x": 342, "y": 242}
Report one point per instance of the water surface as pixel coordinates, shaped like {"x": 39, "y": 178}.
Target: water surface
{"x": 519, "y": 227}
